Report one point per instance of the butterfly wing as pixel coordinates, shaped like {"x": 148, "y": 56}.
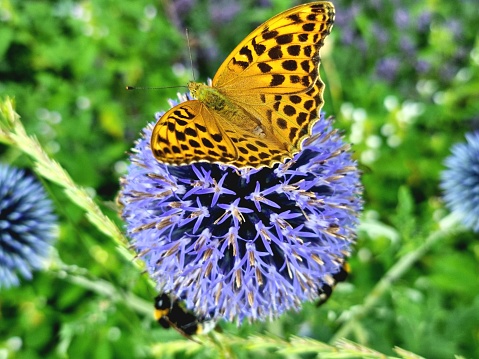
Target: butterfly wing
{"x": 189, "y": 133}
{"x": 273, "y": 74}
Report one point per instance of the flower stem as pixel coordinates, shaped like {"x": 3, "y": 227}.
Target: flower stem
{"x": 13, "y": 133}
{"x": 447, "y": 226}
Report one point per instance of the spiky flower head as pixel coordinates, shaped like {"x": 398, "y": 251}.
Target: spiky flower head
{"x": 460, "y": 181}
{"x": 27, "y": 225}
{"x": 244, "y": 243}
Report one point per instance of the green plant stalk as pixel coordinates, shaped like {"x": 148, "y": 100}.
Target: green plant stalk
{"x": 447, "y": 226}
{"x": 13, "y": 133}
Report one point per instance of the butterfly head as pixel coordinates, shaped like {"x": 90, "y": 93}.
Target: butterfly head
{"x": 194, "y": 88}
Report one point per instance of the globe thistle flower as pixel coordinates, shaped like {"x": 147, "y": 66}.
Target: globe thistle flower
{"x": 27, "y": 226}
{"x": 244, "y": 243}
{"x": 460, "y": 181}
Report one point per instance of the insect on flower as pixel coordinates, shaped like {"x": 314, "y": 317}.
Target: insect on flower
{"x": 326, "y": 290}
{"x": 171, "y": 313}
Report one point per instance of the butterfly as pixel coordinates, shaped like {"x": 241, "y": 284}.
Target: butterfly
{"x": 172, "y": 313}
{"x": 262, "y": 102}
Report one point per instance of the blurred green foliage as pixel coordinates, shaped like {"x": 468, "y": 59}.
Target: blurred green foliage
{"x": 67, "y": 64}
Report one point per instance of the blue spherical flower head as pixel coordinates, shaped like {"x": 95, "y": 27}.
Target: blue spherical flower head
{"x": 460, "y": 181}
{"x": 244, "y": 243}
{"x": 27, "y": 225}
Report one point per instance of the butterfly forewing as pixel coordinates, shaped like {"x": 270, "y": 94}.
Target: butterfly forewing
{"x": 189, "y": 132}
{"x": 281, "y": 56}
{"x": 274, "y": 72}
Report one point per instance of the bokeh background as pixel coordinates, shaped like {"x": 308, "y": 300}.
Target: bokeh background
{"x": 403, "y": 83}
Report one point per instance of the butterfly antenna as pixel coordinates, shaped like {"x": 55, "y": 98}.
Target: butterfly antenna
{"x": 153, "y": 88}
{"x": 191, "y": 57}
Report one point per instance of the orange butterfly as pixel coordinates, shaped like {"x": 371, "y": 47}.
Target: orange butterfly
{"x": 262, "y": 102}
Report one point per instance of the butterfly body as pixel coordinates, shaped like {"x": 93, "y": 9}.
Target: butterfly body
{"x": 214, "y": 100}
{"x": 262, "y": 102}
{"x": 238, "y": 118}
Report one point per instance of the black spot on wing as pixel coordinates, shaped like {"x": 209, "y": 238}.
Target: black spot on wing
{"x": 284, "y": 39}
{"x": 190, "y": 132}
{"x": 252, "y": 147}
{"x": 201, "y": 128}
{"x": 275, "y": 53}
{"x": 306, "y": 66}
{"x": 307, "y": 51}
{"x": 194, "y": 143}
{"x": 292, "y": 133}
{"x": 184, "y": 113}
{"x": 308, "y": 104}
{"x": 269, "y": 34}
{"x": 207, "y": 143}
{"x": 217, "y": 137}
{"x": 289, "y": 110}
{"x": 309, "y": 26}
{"x": 264, "y": 67}
{"x": 282, "y": 123}
{"x": 247, "y": 52}
{"x": 180, "y": 136}
{"x": 301, "y": 118}
{"x": 258, "y": 48}
{"x": 242, "y": 64}
{"x": 293, "y": 50}
{"x": 295, "y": 18}
{"x": 261, "y": 144}
{"x": 277, "y": 80}
{"x": 295, "y": 99}
{"x": 289, "y": 65}
{"x": 294, "y": 79}
{"x": 303, "y": 37}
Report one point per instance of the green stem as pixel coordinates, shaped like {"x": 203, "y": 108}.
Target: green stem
{"x": 12, "y": 132}
{"x": 448, "y": 225}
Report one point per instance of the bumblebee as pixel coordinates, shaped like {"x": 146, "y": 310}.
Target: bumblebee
{"x": 327, "y": 289}
{"x": 171, "y": 313}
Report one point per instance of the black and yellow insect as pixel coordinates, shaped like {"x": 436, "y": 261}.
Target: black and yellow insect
{"x": 171, "y": 313}
{"x": 327, "y": 289}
